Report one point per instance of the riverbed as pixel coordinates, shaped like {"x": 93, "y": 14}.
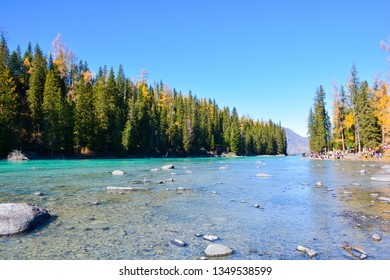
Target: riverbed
{"x": 260, "y": 207}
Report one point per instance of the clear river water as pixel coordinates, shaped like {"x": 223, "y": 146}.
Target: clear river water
{"x": 199, "y": 196}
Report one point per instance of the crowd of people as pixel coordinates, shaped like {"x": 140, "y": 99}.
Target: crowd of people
{"x": 367, "y": 153}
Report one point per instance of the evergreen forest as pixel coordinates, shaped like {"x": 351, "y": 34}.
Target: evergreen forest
{"x": 360, "y": 120}
{"x": 52, "y": 106}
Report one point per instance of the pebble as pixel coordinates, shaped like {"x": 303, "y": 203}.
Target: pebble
{"x": 262, "y": 175}
{"x": 319, "y": 184}
{"x": 217, "y": 250}
{"x": 179, "y": 243}
{"x": 309, "y": 252}
{"x": 38, "y": 193}
{"x": 118, "y": 172}
{"x": 376, "y": 237}
{"x": 210, "y": 237}
{"x": 199, "y": 235}
{"x": 256, "y": 205}
{"x": 167, "y": 167}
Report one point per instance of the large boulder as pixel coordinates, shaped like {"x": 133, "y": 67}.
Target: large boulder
{"x": 16, "y": 218}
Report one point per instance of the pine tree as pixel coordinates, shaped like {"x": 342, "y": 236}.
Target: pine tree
{"x": 8, "y": 102}
{"x": 52, "y": 109}
{"x": 355, "y": 104}
{"x": 319, "y": 124}
{"x": 370, "y": 131}
{"x": 84, "y": 116}
{"x": 35, "y": 93}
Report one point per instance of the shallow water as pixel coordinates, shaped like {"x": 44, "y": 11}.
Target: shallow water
{"x": 141, "y": 224}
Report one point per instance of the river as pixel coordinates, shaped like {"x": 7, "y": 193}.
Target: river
{"x": 200, "y": 196}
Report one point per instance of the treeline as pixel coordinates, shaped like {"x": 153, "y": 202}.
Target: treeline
{"x": 53, "y": 106}
{"x": 361, "y": 117}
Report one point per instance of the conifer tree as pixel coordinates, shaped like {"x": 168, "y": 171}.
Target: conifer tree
{"x": 370, "y": 132}
{"x": 84, "y": 116}
{"x": 52, "y": 109}
{"x": 319, "y": 124}
{"x": 35, "y": 93}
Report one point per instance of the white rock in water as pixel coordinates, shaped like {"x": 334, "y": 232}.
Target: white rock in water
{"x": 167, "y": 167}
{"x": 210, "y": 237}
{"x": 376, "y": 237}
{"x": 113, "y": 188}
{"x": 362, "y": 171}
{"x": 311, "y": 253}
{"x": 179, "y": 243}
{"x": 155, "y": 169}
{"x": 383, "y": 198}
{"x": 118, "y": 172}
{"x": 381, "y": 178}
{"x": 302, "y": 249}
{"x": 217, "y": 250}
{"x": 223, "y": 168}
{"x": 263, "y": 175}
{"x": 319, "y": 184}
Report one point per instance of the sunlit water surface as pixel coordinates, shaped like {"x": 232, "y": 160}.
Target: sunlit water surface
{"x": 218, "y": 199}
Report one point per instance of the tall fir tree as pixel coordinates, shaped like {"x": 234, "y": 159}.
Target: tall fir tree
{"x": 319, "y": 124}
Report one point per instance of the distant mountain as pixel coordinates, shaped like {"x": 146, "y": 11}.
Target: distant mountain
{"x": 296, "y": 144}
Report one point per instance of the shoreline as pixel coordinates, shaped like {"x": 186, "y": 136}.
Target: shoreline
{"x": 353, "y": 158}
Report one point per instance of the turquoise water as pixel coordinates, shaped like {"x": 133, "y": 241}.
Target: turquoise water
{"x": 218, "y": 197}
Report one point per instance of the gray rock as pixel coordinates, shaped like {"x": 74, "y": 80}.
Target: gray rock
{"x": 210, "y": 237}
{"x": 311, "y": 253}
{"x": 381, "y": 178}
{"x": 16, "y": 218}
{"x": 263, "y": 175}
{"x": 179, "y": 243}
{"x": 383, "y": 198}
{"x": 167, "y": 167}
{"x": 118, "y": 172}
{"x": 217, "y": 250}
{"x": 376, "y": 237}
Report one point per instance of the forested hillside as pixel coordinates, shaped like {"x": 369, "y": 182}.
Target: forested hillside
{"x": 51, "y": 105}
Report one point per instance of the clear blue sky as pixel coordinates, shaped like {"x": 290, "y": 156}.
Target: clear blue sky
{"x": 266, "y": 58}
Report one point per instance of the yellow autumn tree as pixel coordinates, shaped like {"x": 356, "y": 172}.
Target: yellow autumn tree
{"x": 381, "y": 104}
{"x": 63, "y": 57}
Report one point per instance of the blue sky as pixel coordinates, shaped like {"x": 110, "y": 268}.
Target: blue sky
{"x": 266, "y": 58}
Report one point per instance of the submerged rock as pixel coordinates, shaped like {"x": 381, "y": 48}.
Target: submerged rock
{"x": 217, "y": 250}
{"x": 113, "y": 188}
{"x": 16, "y": 218}
{"x": 179, "y": 243}
{"x": 379, "y": 178}
{"x": 210, "y": 237}
{"x": 376, "y": 237}
{"x": 383, "y": 198}
{"x": 118, "y": 172}
{"x": 167, "y": 167}
{"x": 263, "y": 175}
{"x": 309, "y": 252}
